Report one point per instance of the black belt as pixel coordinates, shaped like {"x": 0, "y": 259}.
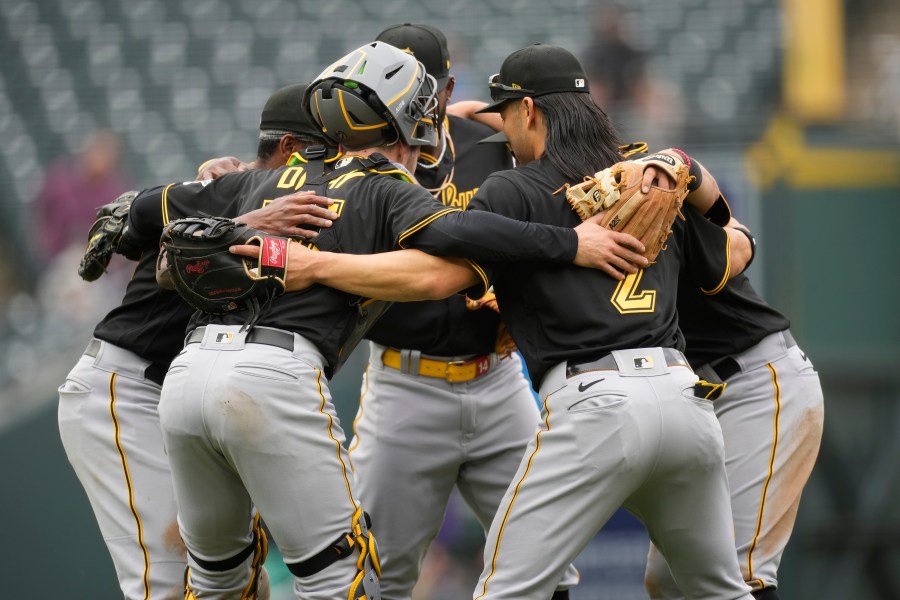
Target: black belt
{"x": 257, "y": 335}
{"x": 155, "y": 372}
{"x": 728, "y": 367}
{"x": 673, "y": 357}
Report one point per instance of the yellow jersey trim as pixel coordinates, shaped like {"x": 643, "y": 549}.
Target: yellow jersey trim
{"x": 481, "y": 274}
{"x": 165, "y": 205}
{"x": 423, "y": 223}
{"x": 727, "y": 274}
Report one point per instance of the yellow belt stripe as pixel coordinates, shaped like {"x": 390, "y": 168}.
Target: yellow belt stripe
{"x": 513, "y": 501}
{"x": 134, "y": 511}
{"x": 762, "y": 500}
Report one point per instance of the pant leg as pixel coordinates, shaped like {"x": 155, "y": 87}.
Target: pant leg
{"x": 685, "y": 503}
{"x": 503, "y": 417}
{"x": 406, "y": 456}
{"x": 591, "y": 452}
{"x": 772, "y": 418}
{"x": 255, "y": 426}
{"x": 109, "y": 427}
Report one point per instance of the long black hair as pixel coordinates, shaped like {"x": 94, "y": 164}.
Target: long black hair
{"x": 581, "y": 139}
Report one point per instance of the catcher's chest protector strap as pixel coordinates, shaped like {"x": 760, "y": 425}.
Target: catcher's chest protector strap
{"x": 374, "y": 163}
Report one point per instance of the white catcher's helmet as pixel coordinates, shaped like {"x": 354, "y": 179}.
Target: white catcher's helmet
{"x": 374, "y": 96}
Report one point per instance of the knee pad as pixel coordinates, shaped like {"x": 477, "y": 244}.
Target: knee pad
{"x": 258, "y": 550}
{"x": 365, "y": 584}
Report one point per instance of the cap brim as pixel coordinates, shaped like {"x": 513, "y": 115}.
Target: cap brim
{"x": 492, "y": 139}
{"x": 441, "y": 83}
{"x": 494, "y": 107}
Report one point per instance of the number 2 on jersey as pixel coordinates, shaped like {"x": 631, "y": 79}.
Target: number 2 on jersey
{"x": 628, "y": 300}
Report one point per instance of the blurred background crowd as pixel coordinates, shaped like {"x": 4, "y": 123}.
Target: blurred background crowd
{"x": 793, "y": 104}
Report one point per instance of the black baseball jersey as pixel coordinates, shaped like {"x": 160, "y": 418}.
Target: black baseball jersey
{"x": 562, "y": 312}
{"x": 729, "y": 322}
{"x": 150, "y": 321}
{"x": 379, "y": 209}
{"x": 446, "y": 327}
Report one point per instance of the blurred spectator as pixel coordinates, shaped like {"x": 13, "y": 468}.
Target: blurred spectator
{"x": 623, "y": 84}
{"x": 73, "y": 188}
{"x": 616, "y": 68}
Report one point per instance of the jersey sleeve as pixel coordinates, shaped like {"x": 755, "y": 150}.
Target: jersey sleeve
{"x": 155, "y": 208}
{"x": 707, "y": 257}
{"x": 497, "y": 195}
{"x": 495, "y": 231}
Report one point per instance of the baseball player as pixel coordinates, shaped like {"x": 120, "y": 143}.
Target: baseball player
{"x": 283, "y": 139}
{"x": 771, "y": 413}
{"x": 108, "y": 420}
{"x": 621, "y": 421}
{"x": 621, "y": 424}
{"x": 245, "y": 410}
{"x": 474, "y": 410}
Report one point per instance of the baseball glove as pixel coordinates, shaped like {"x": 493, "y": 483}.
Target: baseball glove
{"x": 106, "y": 238}
{"x": 617, "y": 191}
{"x": 215, "y": 281}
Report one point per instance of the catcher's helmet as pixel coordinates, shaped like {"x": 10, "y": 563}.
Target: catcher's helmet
{"x": 375, "y": 96}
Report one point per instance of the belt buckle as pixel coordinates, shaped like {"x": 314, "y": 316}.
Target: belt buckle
{"x": 482, "y": 365}
{"x": 453, "y": 363}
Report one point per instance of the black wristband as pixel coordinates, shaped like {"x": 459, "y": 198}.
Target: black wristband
{"x": 750, "y": 237}
{"x": 696, "y": 176}
{"x": 694, "y": 171}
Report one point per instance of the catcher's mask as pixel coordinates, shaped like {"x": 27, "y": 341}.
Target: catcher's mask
{"x": 375, "y": 96}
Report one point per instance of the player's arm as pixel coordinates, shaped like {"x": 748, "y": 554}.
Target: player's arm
{"x": 216, "y": 167}
{"x": 286, "y": 215}
{"x": 741, "y": 245}
{"x": 487, "y": 237}
{"x": 401, "y": 276}
{"x": 499, "y": 231}
{"x": 467, "y": 109}
{"x": 713, "y": 254}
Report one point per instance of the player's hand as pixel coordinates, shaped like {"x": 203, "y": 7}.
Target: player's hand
{"x": 217, "y": 167}
{"x": 657, "y": 177}
{"x": 284, "y": 216}
{"x": 163, "y": 274}
{"x": 301, "y": 264}
{"x": 612, "y": 252}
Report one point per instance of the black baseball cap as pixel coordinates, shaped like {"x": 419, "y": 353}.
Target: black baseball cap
{"x": 428, "y": 44}
{"x": 534, "y": 71}
{"x": 285, "y": 110}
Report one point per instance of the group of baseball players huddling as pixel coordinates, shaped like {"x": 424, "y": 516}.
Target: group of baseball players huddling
{"x": 190, "y": 431}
